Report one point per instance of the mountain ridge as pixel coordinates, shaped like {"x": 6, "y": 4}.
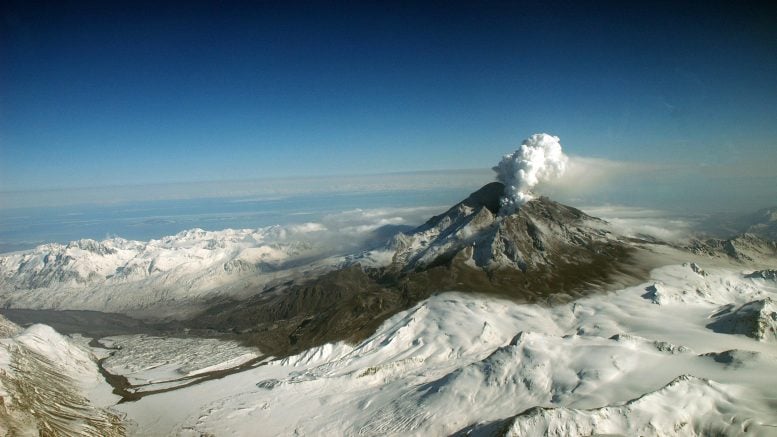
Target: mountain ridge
{"x": 544, "y": 252}
{"x": 524, "y": 240}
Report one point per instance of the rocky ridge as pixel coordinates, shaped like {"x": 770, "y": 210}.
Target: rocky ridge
{"x": 544, "y": 252}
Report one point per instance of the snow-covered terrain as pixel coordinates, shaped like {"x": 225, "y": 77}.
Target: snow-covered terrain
{"x": 176, "y": 276}
{"x": 158, "y": 277}
{"x": 50, "y": 385}
{"x": 692, "y": 350}
{"x": 626, "y": 362}
{"x": 149, "y": 360}
{"x": 541, "y": 233}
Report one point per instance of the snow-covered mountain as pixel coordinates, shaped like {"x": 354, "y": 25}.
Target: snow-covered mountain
{"x": 762, "y": 223}
{"x": 686, "y": 406}
{"x": 756, "y": 319}
{"x": 120, "y": 275}
{"x": 49, "y": 385}
{"x": 609, "y": 363}
{"x": 616, "y": 363}
{"x": 540, "y": 234}
{"x": 744, "y": 248}
{"x": 542, "y": 252}
{"x": 393, "y": 341}
{"x": 543, "y": 249}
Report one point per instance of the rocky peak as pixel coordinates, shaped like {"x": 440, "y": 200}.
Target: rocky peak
{"x": 540, "y": 232}
{"x": 486, "y": 198}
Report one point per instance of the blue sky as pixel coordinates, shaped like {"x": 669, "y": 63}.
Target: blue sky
{"x": 116, "y": 93}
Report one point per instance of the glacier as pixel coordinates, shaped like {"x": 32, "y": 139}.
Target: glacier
{"x": 611, "y": 363}
{"x": 682, "y": 347}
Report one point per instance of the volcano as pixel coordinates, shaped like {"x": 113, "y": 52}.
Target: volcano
{"x": 543, "y": 252}
{"x": 540, "y": 234}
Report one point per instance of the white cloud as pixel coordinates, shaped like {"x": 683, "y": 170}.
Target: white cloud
{"x": 586, "y": 176}
{"x": 640, "y": 222}
{"x": 539, "y": 158}
{"x": 249, "y": 190}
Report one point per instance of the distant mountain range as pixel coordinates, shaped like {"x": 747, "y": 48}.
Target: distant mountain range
{"x": 545, "y": 252}
{"x": 762, "y": 223}
{"x": 279, "y": 293}
{"x": 170, "y": 276}
{"x": 593, "y": 332}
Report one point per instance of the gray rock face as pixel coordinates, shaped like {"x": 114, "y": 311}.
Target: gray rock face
{"x": 757, "y": 319}
{"x": 696, "y": 269}
{"x": 743, "y": 248}
{"x": 541, "y": 233}
{"x": 734, "y": 358}
{"x": 769, "y": 275}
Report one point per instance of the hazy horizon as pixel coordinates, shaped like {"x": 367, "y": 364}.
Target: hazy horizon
{"x": 145, "y": 212}
{"x": 664, "y": 107}
{"x": 701, "y": 188}
{"x": 286, "y": 217}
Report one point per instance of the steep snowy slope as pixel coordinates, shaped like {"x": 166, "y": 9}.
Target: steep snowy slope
{"x": 540, "y": 235}
{"x": 606, "y": 363}
{"x": 543, "y": 252}
{"x": 129, "y": 276}
{"x": 686, "y": 406}
{"x": 46, "y": 383}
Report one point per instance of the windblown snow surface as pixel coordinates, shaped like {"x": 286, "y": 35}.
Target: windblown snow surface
{"x": 644, "y": 360}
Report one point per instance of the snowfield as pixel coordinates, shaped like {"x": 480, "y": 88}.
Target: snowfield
{"x": 691, "y": 351}
{"x": 624, "y": 362}
{"x": 157, "y": 278}
{"x": 176, "y": 276}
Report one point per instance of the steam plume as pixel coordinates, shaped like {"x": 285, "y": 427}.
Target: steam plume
{"x": 538, "y": 159}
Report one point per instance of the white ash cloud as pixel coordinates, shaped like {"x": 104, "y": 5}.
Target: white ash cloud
{"x": 646, "y": 222}
{"x": 539, "y": 159}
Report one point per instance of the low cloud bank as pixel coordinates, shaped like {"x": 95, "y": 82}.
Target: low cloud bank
{"x": 248, "y": 190}
{"x": 642, "y": 222}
